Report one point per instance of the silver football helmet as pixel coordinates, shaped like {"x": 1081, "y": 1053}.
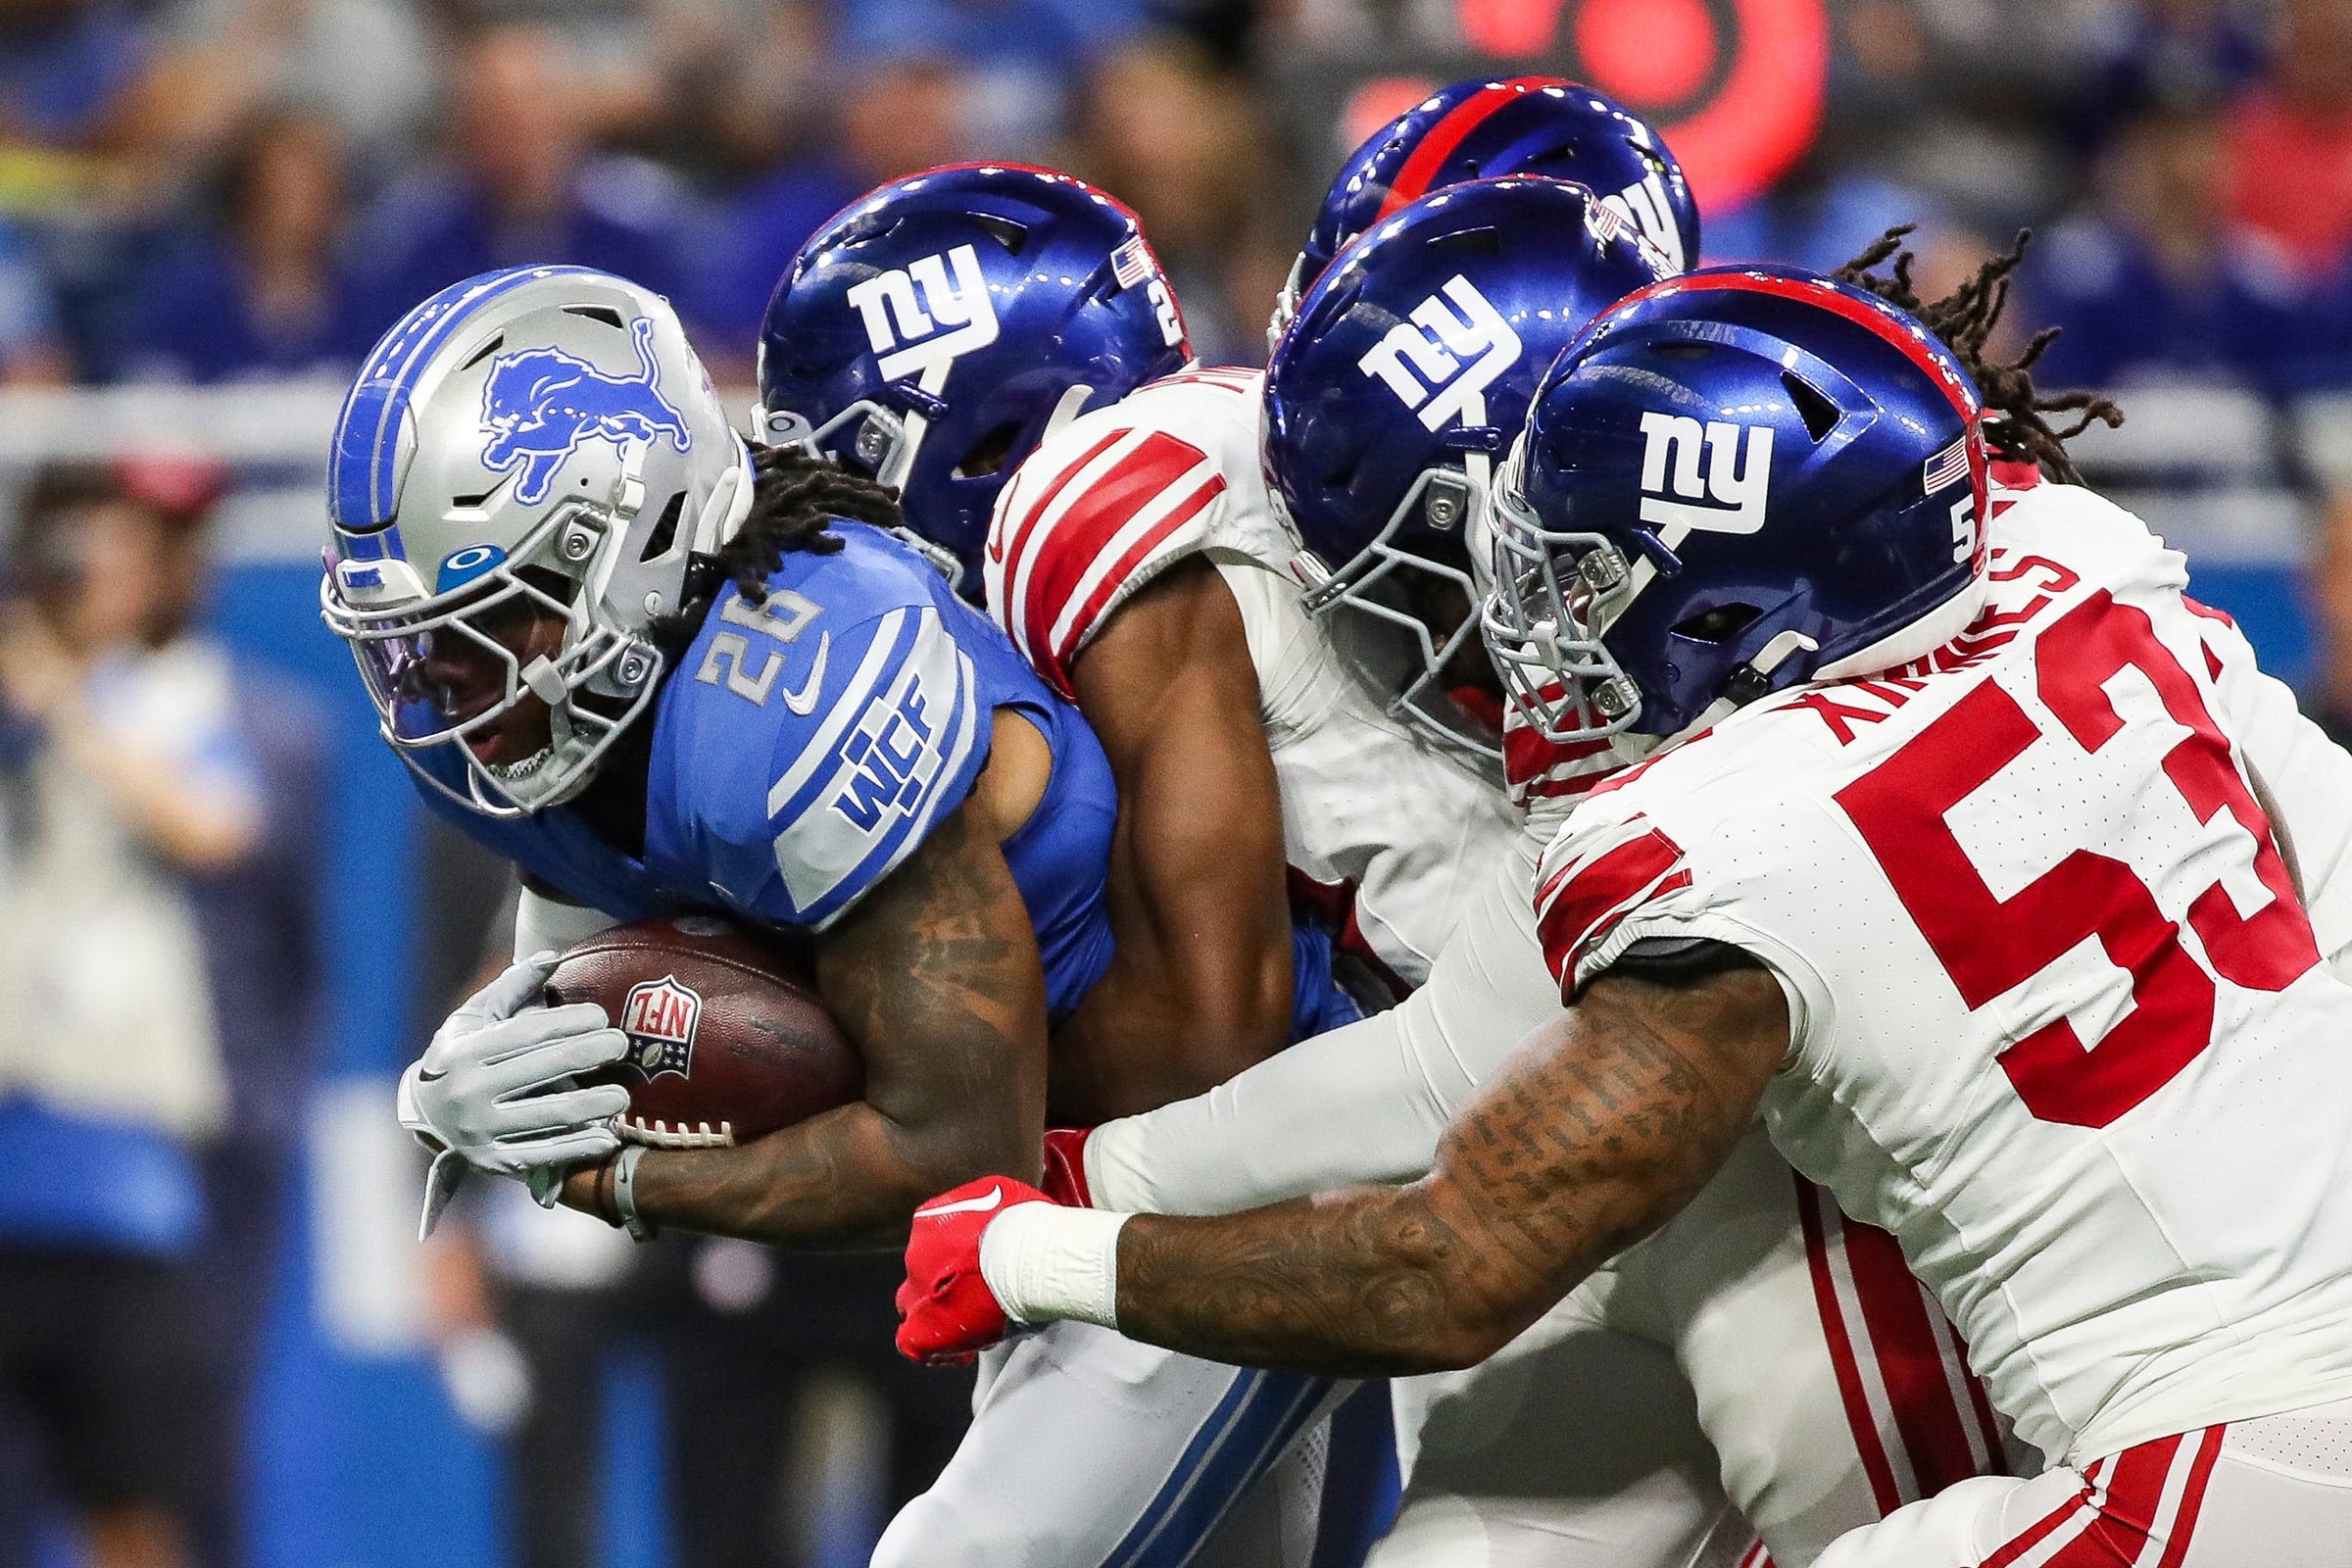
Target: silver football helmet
{"x": 540, "y": 443}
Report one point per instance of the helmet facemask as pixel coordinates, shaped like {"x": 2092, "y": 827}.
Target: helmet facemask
{"x": 1428, "y": 605}
{"x": 1550, "y": 596}
{"x": 595, "y": 681}
{"x": 1286, "y": 300}
{"x": 522, "y": 478}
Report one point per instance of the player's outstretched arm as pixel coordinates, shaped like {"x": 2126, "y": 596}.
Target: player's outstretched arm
{"x": 1605, "y": 1124}
{"x": 935, "y": 977}
{"x": 1199, "y": 987}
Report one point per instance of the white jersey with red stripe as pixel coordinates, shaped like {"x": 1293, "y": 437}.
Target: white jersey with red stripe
{"x": 2059, "y": 1020}
{"x": 1392, "y": 827}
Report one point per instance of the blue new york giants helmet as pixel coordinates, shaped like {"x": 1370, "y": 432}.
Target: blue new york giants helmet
{"x": 1736, "y": 480}
{"x": 1488, "y": 128}
{"x": 1399, "y": 384}
{"x": 933, "y": 332}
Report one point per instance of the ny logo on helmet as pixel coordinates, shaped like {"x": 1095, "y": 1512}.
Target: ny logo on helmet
{"x": 1441, "y": 362}
{"x": 913, "y": 337}
{"x": 660, "y": 1018}
{"x": 1731, "y": 496}
{"x": 540, "y": 406}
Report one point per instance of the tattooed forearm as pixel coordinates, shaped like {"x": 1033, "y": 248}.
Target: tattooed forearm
{"x": 1606, "y": 1123}
{"x": 935, "y": 977}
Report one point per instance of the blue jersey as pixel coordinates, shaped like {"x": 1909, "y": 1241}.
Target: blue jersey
{"x": 804, "y": 746}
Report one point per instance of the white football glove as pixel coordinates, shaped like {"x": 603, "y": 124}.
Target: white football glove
{"x": 494, "y": 1091}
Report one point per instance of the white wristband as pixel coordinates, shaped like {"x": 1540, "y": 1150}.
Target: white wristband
{"x": 1044, "y": 1262}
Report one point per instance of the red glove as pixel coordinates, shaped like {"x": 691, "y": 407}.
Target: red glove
{"x": 1065, "y": 1167}
{"x": 947, "y": 1313}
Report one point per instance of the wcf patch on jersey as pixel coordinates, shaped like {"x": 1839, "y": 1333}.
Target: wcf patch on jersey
{"x": 660, "y": 1018}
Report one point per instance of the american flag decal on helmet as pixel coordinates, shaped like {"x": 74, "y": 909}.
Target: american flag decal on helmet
{"x": 1948, "y": 466}
{"x": 1132, "y": 263}
{"x": 660, "y": 1018}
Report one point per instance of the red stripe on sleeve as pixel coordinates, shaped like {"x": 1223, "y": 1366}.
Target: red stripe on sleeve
{"x": 1527, "y": 756}
{"x": 1086, "y": 529}
{"x": 1153, "y": 538}
{"x": 1579, "y": 905}
{"x": 2128, "y": 1515}
{"x": 1008, "y": 553}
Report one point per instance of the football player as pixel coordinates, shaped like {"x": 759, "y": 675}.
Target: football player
{"x": 653, "y": 674}
{"x": 1201, "y": 975}
{"x": 657, "y": 671}
{"x": 1376, "y": 458}
{"x": 1953, "y": 864}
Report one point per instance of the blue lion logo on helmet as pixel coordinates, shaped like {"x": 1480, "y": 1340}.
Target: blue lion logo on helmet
{"x": 542, "y": 404}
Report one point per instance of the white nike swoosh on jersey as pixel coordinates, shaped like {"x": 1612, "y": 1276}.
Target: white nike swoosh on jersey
{"x": 970, "y": 1205}
{"x": 804, "y": 701}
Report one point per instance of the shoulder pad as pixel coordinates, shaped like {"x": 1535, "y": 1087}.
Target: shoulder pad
{"x": 1105, "y": 506}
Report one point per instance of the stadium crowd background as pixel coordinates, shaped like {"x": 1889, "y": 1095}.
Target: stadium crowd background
{"x": 209, "y": 209}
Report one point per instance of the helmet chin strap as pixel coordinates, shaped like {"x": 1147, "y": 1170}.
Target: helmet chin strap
{"x": 1752, "y": 679}
{"x": 1071, "y": 405}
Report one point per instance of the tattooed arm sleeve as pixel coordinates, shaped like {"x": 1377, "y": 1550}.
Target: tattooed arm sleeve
{"x": 1605, "y": 1122}
{"x": 935, "y": 977}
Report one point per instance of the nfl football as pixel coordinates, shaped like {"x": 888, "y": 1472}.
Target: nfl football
{"x": 727, "y": 1040}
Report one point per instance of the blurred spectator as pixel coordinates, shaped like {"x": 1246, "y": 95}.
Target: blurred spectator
{"x": 521, "y": 184}
{"x": 2157, "y": 280}
{"x": 530, "y": 1309}
{"x": 123, "y": 777}
{"x": 30, "y": 351}
{"x": 1020, "y": 57}
{"x": 368, "y": 67}
{"x": 2327, "y": 592}
{"x": 2157, "y": 51}
{"x": 893, "y": 116}
{"x": 257, "y": 919}
{"x": 622, "y": 57}
{"x": 70, "y": 72}
{"x": 1186, "y": 143}
{"x": 2291, "y": 142}
{"x": 259, "y": 290}
{"x": 1819, "y": 217}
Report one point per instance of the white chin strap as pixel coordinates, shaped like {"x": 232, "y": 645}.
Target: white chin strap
{"x": 1769, "y": 657}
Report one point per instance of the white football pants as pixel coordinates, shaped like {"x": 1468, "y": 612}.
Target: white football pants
{"x": 2275, "y": 1493}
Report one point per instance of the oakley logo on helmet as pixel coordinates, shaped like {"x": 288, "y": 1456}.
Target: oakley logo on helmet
{"x": 909, "y": 339}
{"x": 1441, "y": 362}
{"x": 542, "y": 405}
{"x": 660, "y": 1018}
{"x": 1731, "y": 496}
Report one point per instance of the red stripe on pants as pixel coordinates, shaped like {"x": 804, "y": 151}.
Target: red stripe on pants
{"x": 1910, "y": 1360}
{"x": 1814, "y": 1210}
{"x": 2193, "y": 1498}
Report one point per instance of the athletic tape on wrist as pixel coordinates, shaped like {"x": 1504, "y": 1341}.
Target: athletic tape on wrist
{"x": 1044, "y": 1262}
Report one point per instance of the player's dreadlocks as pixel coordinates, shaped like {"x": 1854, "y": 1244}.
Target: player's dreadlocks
{"x": 2016, "y": 429}
{"x": 796, "y": 499}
